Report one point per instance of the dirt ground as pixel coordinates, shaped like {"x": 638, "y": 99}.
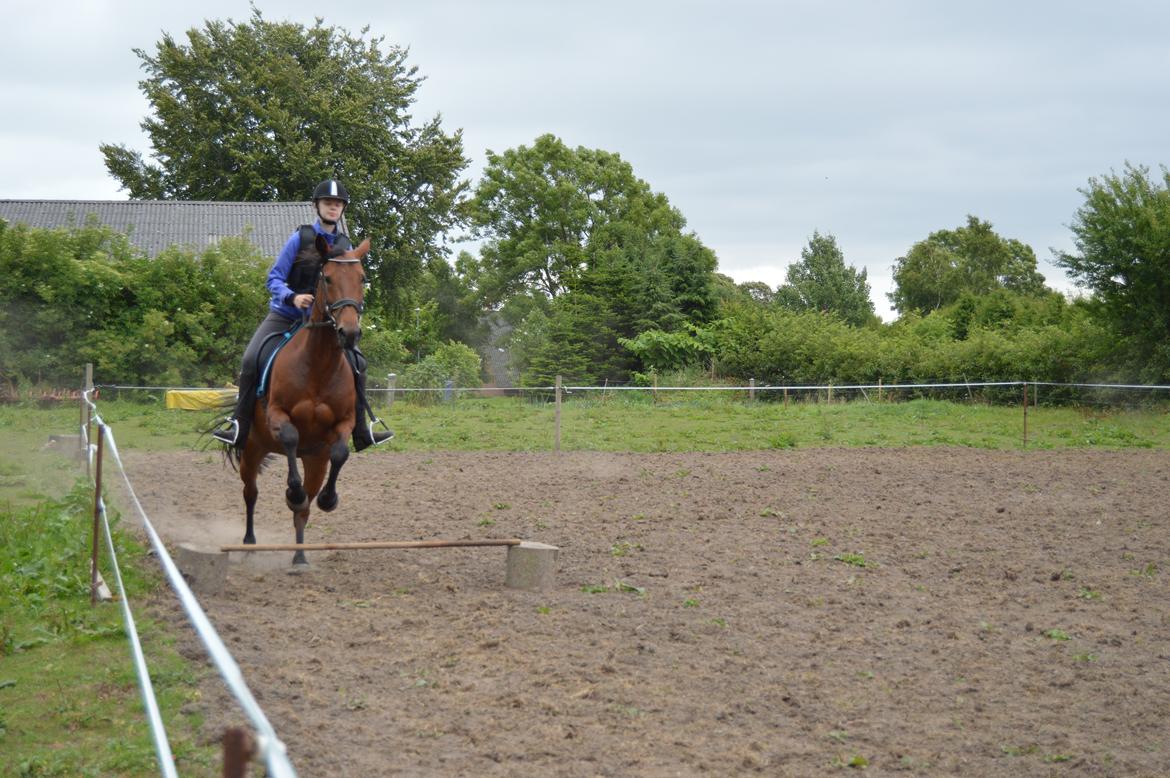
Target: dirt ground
{"x": 1011, "y": 617}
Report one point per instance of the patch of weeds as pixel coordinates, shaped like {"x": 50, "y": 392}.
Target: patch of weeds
{"x": 720, "y": 623}
{"x": 623, "y": 548}
{"x": 866, "y": 675}
{"x": 1019, "y": 750}
{"x": 770, "y": 512}
{"x": 1087, "y": 657}
{"x": 595, "y": 588}
{"x": 682, "y": 473}
{"x": 855, "y": 762}
{"x": 540, "y": 524}
{"x": 1086, "y": 593}
{"x": 817, "y": 542}
{"x": 486, "y": 523}
{"x": 618, "y": 586}
{"x": 763, "y": 469}
{"x": 690, "y": 602}
{"x": 544, "y": 610}
{"x": 501, "y": 506}
{"x": 1054, "y": 758}
{"x": 857, "y": 560}
{"x": 639, "y": 517}
{"x": 839, "y": 735}
{"x": 785, "y": 440}
{"x": 1149, "y": 570}
{"x": 1056, "y": 634}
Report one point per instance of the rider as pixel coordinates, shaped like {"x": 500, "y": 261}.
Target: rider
{"x": 291, "y": 281}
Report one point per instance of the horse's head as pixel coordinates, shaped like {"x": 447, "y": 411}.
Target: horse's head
{"x": 340, "y": 290}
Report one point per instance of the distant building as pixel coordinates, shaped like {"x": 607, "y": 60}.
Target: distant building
{"x": 154, "y": 225}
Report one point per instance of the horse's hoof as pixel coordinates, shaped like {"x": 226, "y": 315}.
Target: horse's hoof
{"x": 295, "y": 505}
{"x": 299, "y": 563}
{"x": 328, "y": 504}
{"x": 299, "y": 568}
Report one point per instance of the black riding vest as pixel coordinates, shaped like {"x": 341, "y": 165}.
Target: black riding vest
{"x": 302, "y": 277}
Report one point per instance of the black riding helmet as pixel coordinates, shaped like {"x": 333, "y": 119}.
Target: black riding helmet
{"x": 330, "y": 188}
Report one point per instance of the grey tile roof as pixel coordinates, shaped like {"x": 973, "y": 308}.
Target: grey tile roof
{"x": 154, "y": 225}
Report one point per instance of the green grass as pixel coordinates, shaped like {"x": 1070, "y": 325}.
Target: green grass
{"x": 69, "y": 698}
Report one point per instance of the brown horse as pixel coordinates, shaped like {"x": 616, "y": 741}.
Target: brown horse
{"x": 311, "y": 400}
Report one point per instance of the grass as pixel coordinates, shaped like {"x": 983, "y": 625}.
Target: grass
{"x": 69, "y": 697}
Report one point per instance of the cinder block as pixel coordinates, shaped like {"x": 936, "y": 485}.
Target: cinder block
{"x": 204, "y": 568}
{"x": 531, "y": 566}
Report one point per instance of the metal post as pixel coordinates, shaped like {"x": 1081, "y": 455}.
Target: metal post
{"x": 557, "y": 439}
{"x": 391, "y": 382}
{"x": 752, "y": 389}
{"x": 1025, "y": 414}
{"x": 97, "y": 512}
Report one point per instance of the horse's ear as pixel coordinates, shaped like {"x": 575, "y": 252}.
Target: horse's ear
{"x": 323, "y": 247}
{"x": 362, "y": 249}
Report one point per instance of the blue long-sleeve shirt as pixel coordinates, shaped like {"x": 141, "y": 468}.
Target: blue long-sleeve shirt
{"x": 282, "y": 295}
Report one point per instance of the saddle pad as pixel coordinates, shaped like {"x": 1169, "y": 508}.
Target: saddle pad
{"x": 267, "y": 355}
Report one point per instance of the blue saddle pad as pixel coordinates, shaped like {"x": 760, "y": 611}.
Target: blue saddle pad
{"x": 267, "y": 356}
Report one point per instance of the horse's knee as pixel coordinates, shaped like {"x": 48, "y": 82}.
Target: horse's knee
{"x": 339, "y": 452}
{"x": 288, "y": 436}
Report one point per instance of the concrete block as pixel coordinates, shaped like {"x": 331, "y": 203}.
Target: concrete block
{"x": 531, "y": 566}
{"x": 204, "y": 567}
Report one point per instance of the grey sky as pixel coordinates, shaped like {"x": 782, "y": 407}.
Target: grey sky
{"x": 878, "y": 122}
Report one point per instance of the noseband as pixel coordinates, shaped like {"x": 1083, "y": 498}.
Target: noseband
{"x": 332, "y": 308}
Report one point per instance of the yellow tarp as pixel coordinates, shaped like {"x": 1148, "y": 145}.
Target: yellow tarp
{"x": 199, "y": 399}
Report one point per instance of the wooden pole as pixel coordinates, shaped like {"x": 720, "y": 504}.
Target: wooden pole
{"x": 879, "y": 388}
{"x": 1025, "y": 414}
{"x": 752, "y": 389}
{"x": 830, "y": 393}
{"x": 786, "y": 397}
{"x": 557, "y": 436}
{"x": 97, "y": 512}
{"x": 655, "y": 389}
{"x": 367, "y": 545}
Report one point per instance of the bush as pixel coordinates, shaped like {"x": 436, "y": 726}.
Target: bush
{"x": 451, "y": 361}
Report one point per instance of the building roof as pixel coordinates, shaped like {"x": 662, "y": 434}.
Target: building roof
{"x": 154, "y": 225}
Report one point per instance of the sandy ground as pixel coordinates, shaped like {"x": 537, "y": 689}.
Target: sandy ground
{"x": 1011, "y": 617}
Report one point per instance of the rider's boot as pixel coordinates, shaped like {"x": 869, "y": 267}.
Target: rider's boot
{"x": 364, "y": 434}
{"x": 234, "y": 431}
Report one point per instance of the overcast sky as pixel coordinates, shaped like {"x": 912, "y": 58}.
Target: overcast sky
{"x": 877, "y": 122}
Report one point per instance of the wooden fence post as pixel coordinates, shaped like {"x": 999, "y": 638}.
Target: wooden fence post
{"x": 785, "y": 396}
{"x": 557, "y": 437}
{"x": 830, "y": 393}
{"x": 391, "y": 384}
{"x": 752, "y": 389}
{"x": 238, "y": 750}
{"x": 879, "y": 388}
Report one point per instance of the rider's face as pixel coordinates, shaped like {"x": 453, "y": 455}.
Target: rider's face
{"x": 330, "y": 208}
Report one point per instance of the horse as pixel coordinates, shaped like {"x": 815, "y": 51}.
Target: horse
{"x": 311, "y": 398}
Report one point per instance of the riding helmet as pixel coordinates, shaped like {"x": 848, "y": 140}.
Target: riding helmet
{"x": 331, "y": 188}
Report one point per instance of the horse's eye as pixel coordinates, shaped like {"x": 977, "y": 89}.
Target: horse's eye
{"x": 328, "y": 280}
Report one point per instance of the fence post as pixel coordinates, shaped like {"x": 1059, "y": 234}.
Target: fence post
{"x": 655, "y": 389}
{"x": 752, "y": 389}
{"x": 97, "y": 500}
{"x": 879, "y": 388}
{"x": 557, "y": 437}
{"x": 391, "y": 382}
{"x": 1025, "y": 414}
{"x": 785, "y": 396}
{"x": 238, "y": 749}
{"x": 830, "y": 393}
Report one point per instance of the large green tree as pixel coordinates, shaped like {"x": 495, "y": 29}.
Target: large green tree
{"x": 1122, "y": 237}
{"x": 971, "y": 259}
{"x": 821, "y": 281}
{"x": 261, "y": 111}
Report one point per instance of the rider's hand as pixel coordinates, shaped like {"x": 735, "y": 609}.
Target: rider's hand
{"x": 303, "y": 300}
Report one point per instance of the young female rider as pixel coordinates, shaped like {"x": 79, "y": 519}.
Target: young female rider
{"x": 291, "y": 282}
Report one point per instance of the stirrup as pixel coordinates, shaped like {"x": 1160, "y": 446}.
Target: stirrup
{"x": 229, "y": 433}
{"x": 382, "y": 436}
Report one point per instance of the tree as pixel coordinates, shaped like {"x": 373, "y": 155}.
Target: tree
{"x": 972, "y": 259}
{"x": 821, "y": 281}
{"x": 1122, "y": 236}
{"x": 262, "y": 111}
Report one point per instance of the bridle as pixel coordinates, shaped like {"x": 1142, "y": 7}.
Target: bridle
{"x": 330, "y": 308}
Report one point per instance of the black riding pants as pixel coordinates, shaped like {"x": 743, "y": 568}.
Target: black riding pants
{"x": 250, "y": 369}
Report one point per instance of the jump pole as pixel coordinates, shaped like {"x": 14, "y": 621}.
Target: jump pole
{"x": 369, "y": 545}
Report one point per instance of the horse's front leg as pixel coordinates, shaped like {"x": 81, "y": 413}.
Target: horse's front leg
{"x": 338, "y": 454}
{"x": 290, "y": 439}
{"x": 314, "y": 476}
